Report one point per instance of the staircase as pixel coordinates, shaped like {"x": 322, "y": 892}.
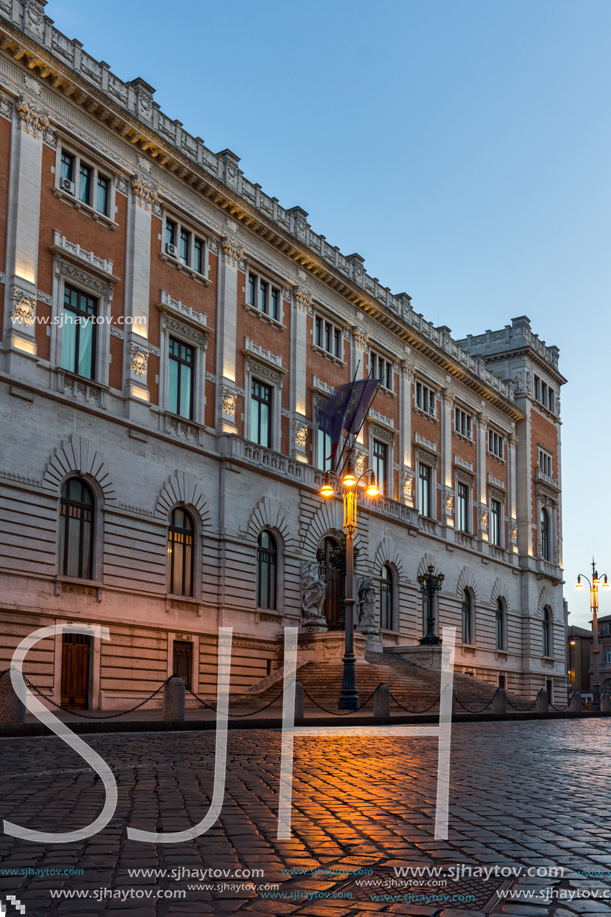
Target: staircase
{"x": 415, "y": 688}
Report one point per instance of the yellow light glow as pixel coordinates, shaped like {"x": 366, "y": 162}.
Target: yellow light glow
{"x": 137, "y": 392}
{"x": 26, "y": 346}
{"x": 578, "y": 585}
{"x": 373, "y": 489}
{"x": 573, "y": 642}
{"x": 327, "y": 488}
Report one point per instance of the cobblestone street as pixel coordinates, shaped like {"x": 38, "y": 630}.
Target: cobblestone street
{"x": 523, "y": 795}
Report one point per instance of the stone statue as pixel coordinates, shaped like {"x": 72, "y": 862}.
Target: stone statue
{"x": 313, "y": 592}
{"x": 366, "y": 615}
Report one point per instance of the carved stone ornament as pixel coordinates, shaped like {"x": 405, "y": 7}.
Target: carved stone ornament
{"x": 31, "y": 119}
{"x": 232, "y": 251}
{"x": 6, "y": 107}
{"x": 229, "y": 400}
{"x": 409, "y": 484}
{"x": 173, "y": 324}
{"x": 367, "y": 606}
{"x": 24, "y": 308}
{"x": 449, "y": 397}
{"x": 144, "y": 191}
{"x": 381, "y": 433}
{"x": 313, "y": 592}
{"x": 301, "y": 434}
{"x": 448, "y": 503}
{"x": 259, "y": 369}
{"x": 303, "y": 299}
{"x": 513, "y": 532}
{"x": 359, "y": 464}
{"x": 84, "y": 277}
{"x": 360, "y": 337}
{"x": 139, "y": 359}
{"x": 483, "y": 516}
{"x": 407, "y": 370}
{"x": 513, "y": 441}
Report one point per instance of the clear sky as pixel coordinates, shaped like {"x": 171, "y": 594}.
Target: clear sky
{"x": 461, "y": 147}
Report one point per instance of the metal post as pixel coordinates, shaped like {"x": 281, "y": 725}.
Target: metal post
{"x": 595, "y": 649}
{"x": 349, "y": 698}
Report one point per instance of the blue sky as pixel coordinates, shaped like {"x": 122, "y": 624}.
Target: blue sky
{"x": 460, "y": 147}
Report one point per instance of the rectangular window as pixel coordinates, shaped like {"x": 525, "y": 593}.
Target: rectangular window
{"x": 324, "y": 445}
{"x": 67, "y": 166}
{"x": 380, "y": 466}
{"x": 262, "y": 296}
{"x": 274, "y": 303}
{"x": 495, "y": 522}
{"x": 318, "y": 332}
{"x": 424, "y": 490}
{"x": 495, "y": 444}
{"x": 328, "y": 337}
{"x": 103, "y": 192}
{"x": 84, "y": 187}
{"x": 551, "y": 400}
{"x": 462, "y": 508}
{"x": 337, "y": 339}
{"x": 607, "y": 656}
{"x": 425, "y": 399}
{"x": 328, "y": 330}
{"x": 79, "y": 332}
{"x": 252, "y": 284}
{"x": 260, "y": 414}
{"x": 170, "y": 232}
{"x": 380, "y": 369}
{"x": 545, "y": 463}
{"x": 537, "y": 388}
{"x": 198, "y": 256}
{"x": 185, "y": 238}
{"x": 181, "y": 373}
{"x": 462, "y": 423}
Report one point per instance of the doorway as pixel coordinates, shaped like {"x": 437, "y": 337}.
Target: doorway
{"x": 183, "y": 661}
{"x": 76, "y": 654}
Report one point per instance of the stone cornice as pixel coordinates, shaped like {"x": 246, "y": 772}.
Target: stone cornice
{"x": 128, "y": 108}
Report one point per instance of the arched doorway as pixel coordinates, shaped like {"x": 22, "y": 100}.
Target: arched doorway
{"x": 331, "y": 556}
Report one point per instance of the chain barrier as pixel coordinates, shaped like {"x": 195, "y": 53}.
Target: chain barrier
{"x": 237, "y": 715}
{"x": 415, "y": 712}
{"x": 341, "y": 712}
{"x": 475, "y": 711}
{"x": 85, "y": 716}
{"x": 521, "y": 709}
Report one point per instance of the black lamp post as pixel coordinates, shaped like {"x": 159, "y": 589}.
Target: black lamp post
{"x": 430, "y": 583}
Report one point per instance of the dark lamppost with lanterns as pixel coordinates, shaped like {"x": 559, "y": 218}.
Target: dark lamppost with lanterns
{"x": 430, "y": 583}
{"x": 596, "y": 582}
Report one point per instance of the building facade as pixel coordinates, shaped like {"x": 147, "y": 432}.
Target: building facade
{"x": 169, "y": 331}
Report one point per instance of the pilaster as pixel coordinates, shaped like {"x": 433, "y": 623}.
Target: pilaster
{"x": 143, "y": 198}
{"x": 408, "y": 480}
{"x": 231, "y": 252}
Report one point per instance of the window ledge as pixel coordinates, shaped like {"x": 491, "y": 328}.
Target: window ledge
{"x": 184, "y": 268}
{"x": 86, "y": 209}
{"x": 497, "y": 458}
{"x": 465, "y": 439}
{"x": 328, "y": 356}
{"x": 386, "y": 391}
{"x": 264, "y": 317}
{"x": 428, "y": 416}
{"x": 73, "y": 585}
{"x": 501, "y": 654}
{"x": 182, "y": 603}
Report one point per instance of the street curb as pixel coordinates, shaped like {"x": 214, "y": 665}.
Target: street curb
{"x": 24, "y": 730}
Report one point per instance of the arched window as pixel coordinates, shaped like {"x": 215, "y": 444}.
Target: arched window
{"x": 500, "y": 625}
{"x": 387, "y": 611}
{"x": 466, "y": 617}
{"x": 266, "y": 571}
{"x": 546, "y": 635}
{"x": 332, "y": 559}
{"x": 545, "y": 534}
{"x": 76, "y": 530}
{"x": 180, "y": 553}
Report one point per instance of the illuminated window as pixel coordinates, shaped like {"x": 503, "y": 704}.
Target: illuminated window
{"x": 76, "y": 530}
{"x": 180, "y": 553}
{"x": 266, "y": 571}
{"x": 462, "y": 508}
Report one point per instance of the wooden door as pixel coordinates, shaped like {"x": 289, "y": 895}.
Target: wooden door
{"x": 75, "y": 670}
{"x": 183, "y": 661}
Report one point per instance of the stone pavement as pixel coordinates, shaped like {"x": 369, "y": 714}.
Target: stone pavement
{"x": 524, "y": 796}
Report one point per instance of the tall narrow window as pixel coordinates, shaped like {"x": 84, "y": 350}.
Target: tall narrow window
{"x": 380, "y": 467}
{"x": 546, "y": 636}
{"x": 337, "y": 345}
{"x": 79, "y": 332}
{"x": 180, "y": 553}
{"x": 425, "y": 612}
{"x": 102, "y": 198}
{"x": 76, "y": 529}
{"x": 324, "y": 445}
{"x": 332, "y": 559}
{"x": 252, "y": 286}
{"x": 266, "y": 571}
{"x": 185, "y": 238}
{"x": 424, "y": 490}
{"x": 462, "y": 508}
{"x": 387, "y": 617}
{"x": 84, "y": 187}
{"x": 183, "y": 661}
{"x": 170, "y": 232}
{"x": 500, "y": 628}
{"x": 495, "y": 522}
{"x": 467, "y": 624}
{"x": 318, "y": 332}
{"x": 260, "y": 414}
{"x": 545, "y": 552}
{"x": 274, "y": 299}
{"x": 198, "y": 256}
{"x": 263, "y": 296}
{"x": 180, "y": 391}
{"x": 67, "y": 166}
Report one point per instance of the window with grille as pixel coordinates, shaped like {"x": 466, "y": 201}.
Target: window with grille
{"x": 183, "y": 661}
{"x": 180, "y": 553}
{"x": 76, "y": 530}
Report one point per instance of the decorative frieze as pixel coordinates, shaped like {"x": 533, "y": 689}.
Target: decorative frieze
{"x": 144, "y": 191}
{"x": 303, "y": 299}
{"x": 77, "y": 274}
{"x": 266, "y": 355}
{"x": 382, "y": 433}
{"x": 260, "y": 369}
{"x": 360, "y": 337}
{"x": 32, "y": 120}
{"x": 425, "y": 442}
{"x": 170, "y": 323}
{"x": 73, "y": 250}
{"x": 233, "y": 251}
{"x": 6, "y": 107}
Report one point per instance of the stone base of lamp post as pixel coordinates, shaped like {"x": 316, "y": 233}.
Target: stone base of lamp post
{"x": 426, "y": 656}
{"x": 329, "y": 648}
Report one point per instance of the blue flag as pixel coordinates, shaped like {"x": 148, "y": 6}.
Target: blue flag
{"x": 345, "y": 410}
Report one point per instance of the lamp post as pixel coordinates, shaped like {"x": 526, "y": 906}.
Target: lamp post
{"x": 596, "y": 582}
{"x": 349, "y": 698}
{"x": 430, "y": 583}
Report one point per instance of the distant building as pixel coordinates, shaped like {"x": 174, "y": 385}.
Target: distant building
{"x": 579, "y": 658}
{"x": 169, "y": 331}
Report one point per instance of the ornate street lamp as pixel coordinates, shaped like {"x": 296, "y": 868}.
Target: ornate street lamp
{"x": 430, "y": 583}
{"x": 596, "y": 582}
{"x": 349, "y": 698}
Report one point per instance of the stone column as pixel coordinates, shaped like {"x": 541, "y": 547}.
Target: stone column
{"x": 301, "y": 309}
{"x": 408, "y": 480}
{"x": 231, "y": 252}
{"x": 512, "y": 509}
{"x": 445, "y": 465}
{"x": 144, "y": 193}
{"x": 480, "y": 483}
